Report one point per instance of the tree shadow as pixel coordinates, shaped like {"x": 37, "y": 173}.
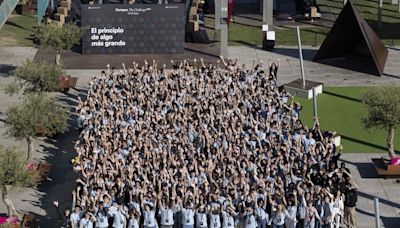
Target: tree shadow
{"x": 59, "y": 150}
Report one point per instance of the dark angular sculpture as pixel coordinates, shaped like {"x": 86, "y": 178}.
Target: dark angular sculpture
{"x": 351, "y": 43}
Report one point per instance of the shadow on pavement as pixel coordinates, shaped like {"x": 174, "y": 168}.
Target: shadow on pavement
{"x": 388, "y": 222}
{"x": 6, "y": 70}
{"x": 59, "y": 150}
{"x": 366, "y": 169}
{"x": 308, "y": 54}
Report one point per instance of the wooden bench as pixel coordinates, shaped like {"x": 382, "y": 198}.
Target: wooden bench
{"x": 66, "y": 82}
{"x": 42, "y": 169}
{"x": 384, "y": 169}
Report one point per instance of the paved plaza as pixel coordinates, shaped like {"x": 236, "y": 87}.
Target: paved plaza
{"x": 59, "y": 150}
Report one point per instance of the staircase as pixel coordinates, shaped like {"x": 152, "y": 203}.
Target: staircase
{"x": 6, "y": 8}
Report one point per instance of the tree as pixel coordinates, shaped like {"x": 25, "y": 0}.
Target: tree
{"x": 13, "y": 172}
{"x": 37, "y": 115}
{"x": 382, "y": 108}
{"x": 35, "y": 76}
{"x": 58, "y": 37}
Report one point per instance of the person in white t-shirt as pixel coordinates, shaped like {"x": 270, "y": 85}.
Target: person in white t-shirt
{"x": 215, "y": 220}
{"x": 201, "y": 217}
{"x": 228, "y": 217}
{"x": 101, "y": 216}
{"x": 279, "y": 216}
{"x": 87, "y": 221}
{"x": 338, "y": 208}
{"x": 134, "y": 219}
{"x": 166, "y": 214}
{"x": 250, "y": 219}
{"x": 149, "y": 217}
{"x": 120, "y": 217}
{"x": 76, "y": 217}
{"x": 188, "y": 216}
{"x": 261, "y": 214}
{"x": 290, "y": 222}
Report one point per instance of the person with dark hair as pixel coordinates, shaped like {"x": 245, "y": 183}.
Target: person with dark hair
{"x": 273, "y": 68}
{"x": 87, "y": 221}
{"x": 75, "y": 217}
{"x": 311, "y": 215}
{"x": 166, "y": 214}
{"x": 101, "y": 215}
{"x": 63, "y": 218}
{"x": 350, "y": 202}
{"x": 198, "y": 146}
{"x": 149, "y": 215}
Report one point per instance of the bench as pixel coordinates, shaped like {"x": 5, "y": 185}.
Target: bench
{"x": 384, "y": 169}
{"x": 42, "y": 170}
{"x": 66, "y": 82}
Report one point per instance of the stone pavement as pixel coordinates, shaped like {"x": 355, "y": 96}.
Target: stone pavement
{"x": 329, "y": 75}
{"x": 59, "y": 150}
{"x": 387, "y": 190}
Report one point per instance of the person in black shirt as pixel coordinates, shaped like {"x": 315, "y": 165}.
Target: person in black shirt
{"x": 351, "y": 197}
{"x": 64, "y": 218}
{"x": 273, "y": 69}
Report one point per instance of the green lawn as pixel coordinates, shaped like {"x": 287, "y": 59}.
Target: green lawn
{"x": 340, "y": 110}
{"x": 18, "y": 31}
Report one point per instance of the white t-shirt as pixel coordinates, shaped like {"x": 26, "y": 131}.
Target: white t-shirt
{"x": 187, "y": 216}
{"x": 201, "y": 220}
{"x": 133, "y": 223}
{"x": 167, "y": 217}
{"x": 101, "y": 219}
{"x": 215, "y": 221}
{"x": 85, "y": 223}
{"x": 250, "y": 221}
{"x": 261, "y": 214}
{"x": 149, "y": 218}
{"x": 75, "y": 217}
{"x": 279, "y": 218}
{"x": 228, "y": 220}
{"x": 119, "y": 219}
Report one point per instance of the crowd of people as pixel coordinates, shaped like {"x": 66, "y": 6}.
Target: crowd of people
{"x": 203, "y": 145}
